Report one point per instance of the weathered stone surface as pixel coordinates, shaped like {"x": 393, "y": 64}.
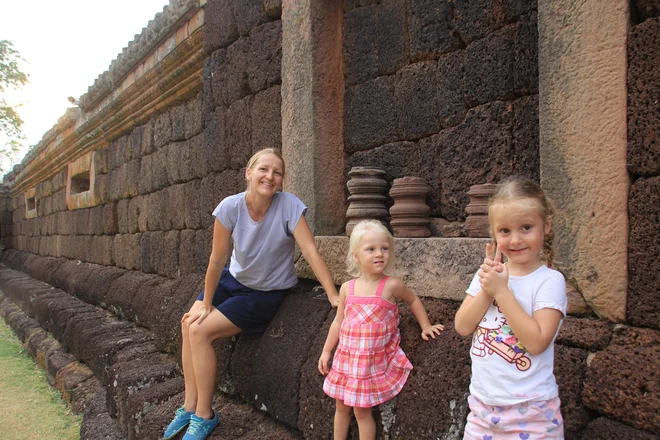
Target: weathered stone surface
{"x": 258, "y": 363}
{"x": 643, "y": 95}
{"x": 525, "y": 151}
{"x": 216, "y": 187}
{"x": 622, "y": 380}
{"x": 430, "y": 267}
{"x": 605, "y": 429}
{"x": 397, "y": 160}
{"x": 239, "y": 130}
{"x": 236, "y": 85}
{"x": 647, "y": 8}
{"x": 126, "y": 251}
{"x": 162, "y": 130}
{"x": 588, "y": 334}
{"x": 445, "y": 409}
{"x": 449, "y": 95}
{"x": 526, "y": 64}
{"x": 191, "y": 252}
{"x": 583, "y": 144}
{"x": 219, "y": 25}
{"x": 416, "y": 100}
{"x": 643, "y": 255}
{"x": 121, "y": 292}
{"x": 215, "y": 147}
{"x": 96, "y": 287}
{"x": 315, "y": 419}
{"x": 155, "y": 206}
{"x": 265, "y": 59}
{"x": 57, "y": 360}
{"x": 193, "y": 164}
{"x": 159, "y": 178}
{"x": 360, "y": 44}
{"x": 475, "y": 152}
{"x": 570, "y": 370}
{"x": 101, "y": 250}
{"x": 248, "y": 14}
{"x": 489, "y": 68}
{"x": 141, "y": 402}
{"x": 476, "y": 19}
{"x": 70, "y": 377}
{"x": 393, "y": 37}
{"x": 369, "y": 116}
{"x": 266, "y": 108}
{"x": 431, "y": 29}
{"x": 176, "y": 301}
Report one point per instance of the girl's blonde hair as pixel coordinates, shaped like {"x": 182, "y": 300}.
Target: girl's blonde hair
{"x": 517, "y": 189}
{"x": 359, "y": 231}
{"x": 255, "y": 157}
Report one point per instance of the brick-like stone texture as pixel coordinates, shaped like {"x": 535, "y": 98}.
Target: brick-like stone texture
{"x": 647, "y": 8}
{"x": 605, "y": 429}
{"x": 265, "y": 59}
{"x": 219, "y": 25}
{"x": 585, "y": 333}
{"x": 622, "y": 380}
{"x": 266, "y": 108}
{"x": 643, "y": 98}
{"x": 643, "y": 305}
{"x": 445, "y": 409}
{"x": 431, "y": 29}
{"x": 360, "y": 42}
{"x": 416, "y": 100}
{"x": 570, "y": 370}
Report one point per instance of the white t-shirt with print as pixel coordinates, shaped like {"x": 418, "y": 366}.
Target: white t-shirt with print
{"x": 503, "y": 372}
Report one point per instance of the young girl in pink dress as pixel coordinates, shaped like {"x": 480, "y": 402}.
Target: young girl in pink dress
{"x": 369, "y": 367}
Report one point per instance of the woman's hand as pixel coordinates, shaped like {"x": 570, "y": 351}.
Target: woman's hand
{"x": 197, "y": 315}
{"x": 432, "y": 331}
{"x": 323, "y": 362}
{"x": 334, "y": 300}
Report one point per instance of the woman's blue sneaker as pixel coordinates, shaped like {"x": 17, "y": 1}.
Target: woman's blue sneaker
{"x": 200, "y": 428}
{"x": 180, "y": 421}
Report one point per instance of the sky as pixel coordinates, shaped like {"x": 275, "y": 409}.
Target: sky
{"x": 66, "y": 45}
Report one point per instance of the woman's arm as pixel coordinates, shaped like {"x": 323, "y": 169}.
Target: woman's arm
{"x": 307, "y": 245}
{"x": 400, "y": 291}
{"x": 333, "y": 333}
{"x": 221, "y": 237}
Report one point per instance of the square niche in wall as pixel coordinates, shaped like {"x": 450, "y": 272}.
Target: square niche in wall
{"x": 80, "y": 182}
{"x": 30, "y": 203}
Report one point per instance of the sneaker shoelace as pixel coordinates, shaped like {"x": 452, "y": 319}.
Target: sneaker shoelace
{"x": 196, "y": 425}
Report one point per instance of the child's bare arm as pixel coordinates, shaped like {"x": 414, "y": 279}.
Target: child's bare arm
{"x": 333, "y": 333}
{"x": 400, "y": 291}
{"x": 471, "y": 312}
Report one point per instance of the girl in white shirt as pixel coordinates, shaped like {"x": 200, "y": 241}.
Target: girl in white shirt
{"x": 514, "y": 310}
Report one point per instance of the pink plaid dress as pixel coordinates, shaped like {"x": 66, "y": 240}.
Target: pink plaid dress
{"x": 369, "y": 367}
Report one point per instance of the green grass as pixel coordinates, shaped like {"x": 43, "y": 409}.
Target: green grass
{"x": 29, "y": 407}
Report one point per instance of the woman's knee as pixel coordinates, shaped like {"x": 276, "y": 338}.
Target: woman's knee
{"x": 197, "y": 333}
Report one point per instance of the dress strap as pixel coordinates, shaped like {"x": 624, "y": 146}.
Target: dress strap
{"x": 381, "y": 285}
{"x": 351, "y": 287}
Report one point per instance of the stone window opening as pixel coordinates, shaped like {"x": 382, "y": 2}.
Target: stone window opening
{"x": 80, "y": 183}
{"x": 30, "y": 203}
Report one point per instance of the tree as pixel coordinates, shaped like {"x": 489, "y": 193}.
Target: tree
{"x": 11, "y": 77}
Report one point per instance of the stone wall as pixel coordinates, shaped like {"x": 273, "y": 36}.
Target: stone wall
{"x": 443, "y": 90}
{"x": 644, "y": 166}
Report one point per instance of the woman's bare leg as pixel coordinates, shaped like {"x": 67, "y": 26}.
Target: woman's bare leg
{"x": 204, "y": 362}
{"x": 342, "y": 420}
{"x": 366, "y": 423}
{"x": 190, "y": 399}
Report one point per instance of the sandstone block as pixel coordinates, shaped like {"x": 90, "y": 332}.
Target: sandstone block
{"x": 369, "y": 116}
{"x": 265, "y": 58}
{"x": 430, "y": 267}
{"x": 162, "y": 130}
{"x": 102, "y": 250}
{"x": 643, "y": 94}
{"x": 489, "y": 65}
{"x": 177, "y": 116}
{"x": 643, "y": 303}
{"x": 159, "y": 178}
{"x": 621, "y": 381}
{"x": 445, "y": 409}
{"x": 145, "y": 186}
{"x": 140, "y": 403}
{"x": 121, "y": 292}
{"x": 175, "y": 201}
{"x": 194, "y": 118}
{"x": 431, "y": 30}
{"x": 155, "y": 206}
{"x": 239, "y": 130}
{"x": 126, "y": 251}
{"x": 191, "y": 204}
{"x": 219, "y": 25}
{"x": 173, "y": 161}
{"x": 360, "y": 40}
{"x": 266, "y": 108}
{"x": 416, "y": 100}
{"x": 122, "y": 216}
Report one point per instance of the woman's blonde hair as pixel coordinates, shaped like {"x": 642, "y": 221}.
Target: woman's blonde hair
{"x": 359, "y": 231}
{"x": 255, "y": 157}
{"x": 517, "y": 189}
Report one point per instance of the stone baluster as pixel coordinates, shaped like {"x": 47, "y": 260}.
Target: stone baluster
{"x": 476, "y": 222}
{"x": 410, "y": 213}
{"x": 367, "y": 196}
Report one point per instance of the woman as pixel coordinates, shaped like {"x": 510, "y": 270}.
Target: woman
{"x": 265, "y": 225}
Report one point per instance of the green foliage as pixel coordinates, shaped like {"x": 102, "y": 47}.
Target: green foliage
{"x": 11, "y": 77}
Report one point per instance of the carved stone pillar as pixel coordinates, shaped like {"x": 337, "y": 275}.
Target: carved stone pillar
{"x": 476, "y": 222}
{"x": 410, "y": 213}
{"x": 367, "y": 200}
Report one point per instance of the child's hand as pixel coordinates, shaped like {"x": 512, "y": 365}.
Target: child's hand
{"x": 323, "y": 363}
{"x": 492, "y": 259}
{"x": 494, "y": 278}
{"x": 432, "y": 330}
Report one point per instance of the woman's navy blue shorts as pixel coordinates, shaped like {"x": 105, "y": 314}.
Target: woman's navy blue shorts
{"x": 249, "y": 309}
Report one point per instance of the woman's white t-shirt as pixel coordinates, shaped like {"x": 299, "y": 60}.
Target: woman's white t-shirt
{"x": 262, "y": 258}
{"x": 503, "y": 372}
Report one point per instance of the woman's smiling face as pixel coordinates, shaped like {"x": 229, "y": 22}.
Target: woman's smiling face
{"x": 265, "y": 177}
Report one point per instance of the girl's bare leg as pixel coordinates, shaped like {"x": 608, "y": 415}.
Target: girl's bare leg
{"x": 204, "y": 362}
{"x": 342, "y": 420}
{"x": 366, "y": 423}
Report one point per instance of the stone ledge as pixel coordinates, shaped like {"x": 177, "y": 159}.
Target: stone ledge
{"x": 430, "y": 267}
